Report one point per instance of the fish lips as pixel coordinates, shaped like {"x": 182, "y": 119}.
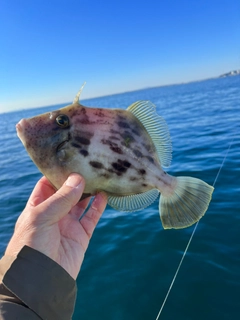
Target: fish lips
{"x": 20, "y": 129}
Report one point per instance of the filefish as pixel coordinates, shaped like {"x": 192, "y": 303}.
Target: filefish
{"x": 120, "y": 152}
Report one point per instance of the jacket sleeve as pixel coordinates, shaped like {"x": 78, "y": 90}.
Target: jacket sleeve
{"x": 32, "y": 286}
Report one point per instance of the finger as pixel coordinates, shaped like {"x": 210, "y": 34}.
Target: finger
{"x": 91, "y": 218}
{"x": 61, "y": 202}
{"x": 79, "y": 209}
{"x": 41, "y": 192}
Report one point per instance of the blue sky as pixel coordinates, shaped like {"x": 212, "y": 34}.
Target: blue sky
{"x": 49, "y": 48}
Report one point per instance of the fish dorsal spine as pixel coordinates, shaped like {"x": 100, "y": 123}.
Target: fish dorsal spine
{"x": 76, "y": 99}
{"x": 156, "y": 126}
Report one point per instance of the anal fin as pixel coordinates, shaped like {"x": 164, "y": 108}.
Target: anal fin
{"x": 133, "y": 202}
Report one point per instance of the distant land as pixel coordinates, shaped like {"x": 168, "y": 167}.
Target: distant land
{"x": 231, "y": 73}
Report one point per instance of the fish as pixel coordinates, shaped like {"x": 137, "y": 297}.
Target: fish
{"x": 120, "y": 152}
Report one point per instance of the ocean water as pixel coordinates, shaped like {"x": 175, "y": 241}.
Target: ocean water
{"x": 131, "y": 260}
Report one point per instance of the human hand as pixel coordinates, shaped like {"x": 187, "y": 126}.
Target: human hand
{"x": 50, "y": 223}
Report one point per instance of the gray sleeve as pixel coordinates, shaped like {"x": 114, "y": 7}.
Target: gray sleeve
{"x": 32, "y": 286}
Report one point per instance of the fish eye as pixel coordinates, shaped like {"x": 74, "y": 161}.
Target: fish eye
{"x": 62, "y": 120}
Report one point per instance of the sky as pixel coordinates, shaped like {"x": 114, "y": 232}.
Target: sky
{"x": 49, "y": 48}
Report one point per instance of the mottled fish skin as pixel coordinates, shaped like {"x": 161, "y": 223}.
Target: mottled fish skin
{"x": 116, "y": 151}
{"x": 110, "y": 148}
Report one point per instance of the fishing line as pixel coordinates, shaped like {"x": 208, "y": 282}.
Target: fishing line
{"x": 193, "y": 232}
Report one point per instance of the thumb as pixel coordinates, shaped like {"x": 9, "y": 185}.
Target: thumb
{"x": 61, "y": 202}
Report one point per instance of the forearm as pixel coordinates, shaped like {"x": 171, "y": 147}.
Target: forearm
{"x": 33, "y": 286}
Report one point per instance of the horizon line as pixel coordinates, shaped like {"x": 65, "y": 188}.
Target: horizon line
{"x": 123, "y": 92}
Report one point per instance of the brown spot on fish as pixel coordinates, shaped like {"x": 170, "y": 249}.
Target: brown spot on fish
{"x": 108, "y": 142}
{"x": 99, "y": 113}
{"x": 85, "y": 121}
{"x": 85, "y": 134}
{"x": 83, "y": 110}
{"x": 125, "y": 163}
{"x": 128, "y": 138}
{"x": 133, "y": 179}
{"x": 105, "y": 175}
{"x": 123, "y": 124}
{"x": 112, "y": 145}
{"x": 82, "y": 140}
{"x": 74, "y": 112}
{"x": 142, "y": 171}
{"x": 96, "y": 164}
{"x": 148, "y": 147}
{"x": 85, "y": 153}
{"x": 137, "y": 153}
{"x": 119, "y": 167}
{"x": 150, "y": 159}
{"x": 127, "y": 135}
{"x": 119, "y": 116}
{"x": 116, "y": 149}
{"x": 101, "y": 121}
{"x": 144, "y": 184}
{"x": 75, "y": 145}
{"x": 113, "y": 138}
{"x": 136, "y": 132}
{"x": 114, "y": 131}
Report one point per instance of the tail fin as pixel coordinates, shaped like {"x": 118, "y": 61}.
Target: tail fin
{"x": 186, "y": 205}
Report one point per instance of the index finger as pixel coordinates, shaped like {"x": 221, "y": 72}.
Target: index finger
{"x": 63, "y": 200}
{"x": 91, "y": 218}
{"x": 42, "y": 191}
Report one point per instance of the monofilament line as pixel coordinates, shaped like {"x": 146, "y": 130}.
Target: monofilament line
{"x": 190, "y": 240}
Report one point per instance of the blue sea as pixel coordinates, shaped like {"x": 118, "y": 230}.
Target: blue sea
{"x": 131, "y": 260}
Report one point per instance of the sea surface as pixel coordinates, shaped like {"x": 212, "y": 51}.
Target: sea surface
{"x": 131, "y": 260}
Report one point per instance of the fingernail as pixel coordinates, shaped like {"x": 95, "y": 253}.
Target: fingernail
{"x": 74, "y": 180}
{"x": 98, "y": 200}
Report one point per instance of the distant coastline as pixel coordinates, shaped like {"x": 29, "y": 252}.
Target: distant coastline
{"x": 230, "y": 74}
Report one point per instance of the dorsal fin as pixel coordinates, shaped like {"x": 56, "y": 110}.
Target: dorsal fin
{"x": 76, "y": 99}
{"x": 145, "y": 112}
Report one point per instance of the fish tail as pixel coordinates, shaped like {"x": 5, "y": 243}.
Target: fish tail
{"x": 186, "y": 204}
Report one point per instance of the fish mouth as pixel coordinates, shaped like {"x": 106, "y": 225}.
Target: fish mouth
{"x": 20, "y": 126}
{"x": 62, "y": 144}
